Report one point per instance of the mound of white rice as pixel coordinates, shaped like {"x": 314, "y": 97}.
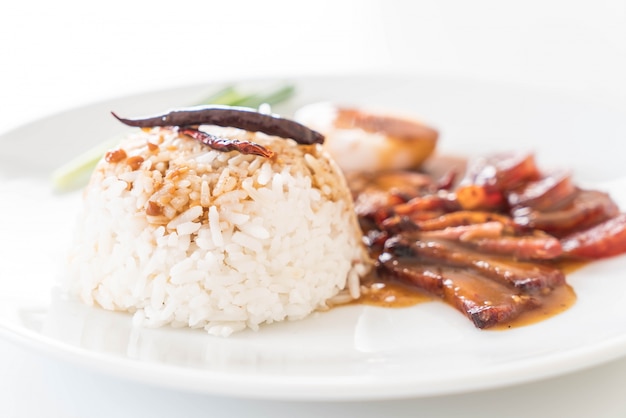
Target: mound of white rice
{"x": 184, "y": 235}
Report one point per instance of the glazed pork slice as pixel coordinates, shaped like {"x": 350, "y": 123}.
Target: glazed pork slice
{"x": 528, "y": 276}
{"x": 587, "y": 209}
{"x": 485, "y": 302}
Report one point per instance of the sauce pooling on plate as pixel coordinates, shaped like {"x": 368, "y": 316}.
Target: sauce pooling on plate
{"x": 391, "y": 294}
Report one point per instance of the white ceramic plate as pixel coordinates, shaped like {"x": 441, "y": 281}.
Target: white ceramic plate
{"x": 349, "y": 353}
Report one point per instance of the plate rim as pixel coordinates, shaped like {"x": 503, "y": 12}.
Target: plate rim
{"x": 611, "y": 348}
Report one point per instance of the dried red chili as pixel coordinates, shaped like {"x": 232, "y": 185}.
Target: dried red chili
{"x": 227, "y": 144}
{"x": 229, "y": 116}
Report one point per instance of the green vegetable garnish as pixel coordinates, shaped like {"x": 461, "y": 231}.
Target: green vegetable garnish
{"x": 76, "y": 172}
{"x": 274, "y": 97}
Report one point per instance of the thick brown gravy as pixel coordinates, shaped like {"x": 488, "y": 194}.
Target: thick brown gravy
{"x": 558, "y": 300}
{"x": 389, "y": 294}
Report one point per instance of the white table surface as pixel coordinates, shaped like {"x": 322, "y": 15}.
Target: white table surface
{"x": 64, "y": 54}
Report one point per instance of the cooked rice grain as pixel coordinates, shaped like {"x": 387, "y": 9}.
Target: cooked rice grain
{"x": 221, "y": 241}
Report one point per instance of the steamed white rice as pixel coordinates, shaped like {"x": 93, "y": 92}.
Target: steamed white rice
{"x": 184, "y": 235}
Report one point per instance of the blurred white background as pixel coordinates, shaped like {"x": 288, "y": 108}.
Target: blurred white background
{"x": 66, "y": 53}
{"x": 61, "y": 54}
